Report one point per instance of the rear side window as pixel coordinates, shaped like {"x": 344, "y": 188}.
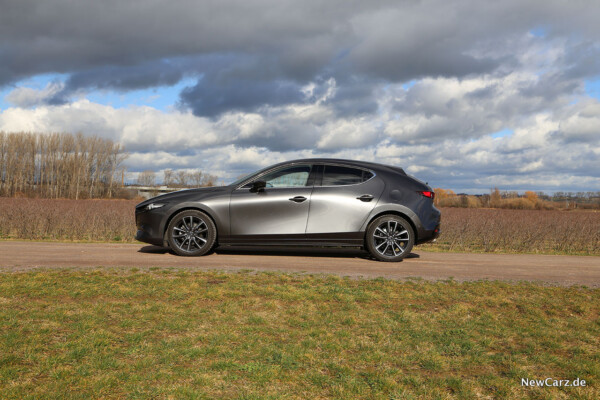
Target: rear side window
{"x": 335, "y": 175}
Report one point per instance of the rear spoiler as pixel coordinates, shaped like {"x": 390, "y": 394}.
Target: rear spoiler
{"x": 397, "y": 169}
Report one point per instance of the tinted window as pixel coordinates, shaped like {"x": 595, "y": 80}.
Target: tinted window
{"x": 335, "y": 175}
{"x": 287, "y": 177}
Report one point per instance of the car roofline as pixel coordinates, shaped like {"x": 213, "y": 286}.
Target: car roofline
{"x": 356, "y": 163}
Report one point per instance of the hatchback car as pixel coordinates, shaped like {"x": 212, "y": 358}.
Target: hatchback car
{"x": 310, "y": 202}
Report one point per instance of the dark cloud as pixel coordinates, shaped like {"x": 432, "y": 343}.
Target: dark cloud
{"x": 210, "y": 97}
{"x": 415, "y": 63}
{"x": 353, "y": 96}
{"x": 139, "y": 76}
{"x": 582, "y": 60}
{"x": 127, "y": 45}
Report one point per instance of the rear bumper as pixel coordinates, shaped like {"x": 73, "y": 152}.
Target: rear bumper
{"x": 429, "y": 235}
{"x": 429, "y": 229}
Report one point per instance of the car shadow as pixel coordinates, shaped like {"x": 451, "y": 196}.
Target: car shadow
{"x": 280, "y": 251}
{"x": 295, "y": 251}
{"x": 154, "y": 250}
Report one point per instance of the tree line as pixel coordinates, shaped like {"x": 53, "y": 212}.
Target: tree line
{"x": 513, "y": 200}
{"x": 59, "y": 165}
{"x": 178, "y": 179}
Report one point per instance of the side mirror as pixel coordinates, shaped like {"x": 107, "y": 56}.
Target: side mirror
{"x": 258, "y": 186}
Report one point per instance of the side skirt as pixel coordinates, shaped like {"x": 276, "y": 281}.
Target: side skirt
{"x": 353, "y": 239}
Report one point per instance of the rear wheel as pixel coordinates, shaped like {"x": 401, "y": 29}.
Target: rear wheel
{"x": 191, "y": 233}
{"x": 390, "y": 238}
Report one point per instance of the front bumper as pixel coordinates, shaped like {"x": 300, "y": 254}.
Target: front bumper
{"x": 148, "y": 227}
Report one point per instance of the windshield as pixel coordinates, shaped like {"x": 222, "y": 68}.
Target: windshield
{"x": 246, "y": 177}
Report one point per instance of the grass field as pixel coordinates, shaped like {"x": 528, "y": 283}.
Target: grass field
{"x": 463, "y": 229}
{"x": 206, "y": 335}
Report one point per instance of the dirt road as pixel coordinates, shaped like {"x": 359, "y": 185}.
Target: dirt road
{"x": 563, "y": 270}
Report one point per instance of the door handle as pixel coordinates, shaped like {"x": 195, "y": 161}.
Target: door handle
{"x": 365, "y": 197}
{"x": 298, "y": 199}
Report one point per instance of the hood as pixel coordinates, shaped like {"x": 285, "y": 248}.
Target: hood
{"x": 180, "y": 194}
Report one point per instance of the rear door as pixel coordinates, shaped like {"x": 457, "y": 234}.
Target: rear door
{"x": 281, "y": 209}
{"x": 342, "y": 199}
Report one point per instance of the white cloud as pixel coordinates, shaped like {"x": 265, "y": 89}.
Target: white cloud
{"x": 30, "y": 97}
{"x": 583, "y": 125}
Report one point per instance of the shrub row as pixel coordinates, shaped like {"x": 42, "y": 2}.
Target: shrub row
{"x": 463, "y": 229}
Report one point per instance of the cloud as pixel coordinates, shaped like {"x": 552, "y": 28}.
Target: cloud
{"x": 583, "y": 125}
{"x": 280, "y": 44}
{"x": 544, "y": 145}
{"x": 29, "y": 97}
{"x": 420, "y": 84}
{"x": 209, "y": 98}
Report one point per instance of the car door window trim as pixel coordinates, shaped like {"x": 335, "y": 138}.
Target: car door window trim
{"x": 256, "y": 177}
{"x": 322, "y": 174}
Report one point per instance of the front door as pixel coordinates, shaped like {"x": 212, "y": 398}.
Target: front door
{"x": 280, "y": 209}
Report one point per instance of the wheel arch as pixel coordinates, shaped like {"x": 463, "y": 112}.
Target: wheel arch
{"x": 393, "y": 212}
{"x": 173, "y": 213}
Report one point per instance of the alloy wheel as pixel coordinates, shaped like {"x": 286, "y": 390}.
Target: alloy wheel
{"x": 391, "y": 238}
{"x": 190, "y": 234}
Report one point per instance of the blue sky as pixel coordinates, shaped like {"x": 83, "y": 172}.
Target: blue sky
{"x": 592, "y": 88}
{"x": 163, "y": 98}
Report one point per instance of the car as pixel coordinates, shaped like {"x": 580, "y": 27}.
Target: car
{"x": 310, "y": 202}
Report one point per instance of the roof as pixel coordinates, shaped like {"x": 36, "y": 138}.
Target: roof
{"x": 357, "y": 163}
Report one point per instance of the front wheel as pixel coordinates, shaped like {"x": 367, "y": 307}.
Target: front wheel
{"x": 390, "y": 238}
{"x": 191, "y": 233}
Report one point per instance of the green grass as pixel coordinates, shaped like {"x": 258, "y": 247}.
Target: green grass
{"x": 204, "y": 335}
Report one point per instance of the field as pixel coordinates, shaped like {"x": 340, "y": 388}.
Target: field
{"x": 204, "y": 335}
{"x": 519, "y": 231}
{"x": 65, "y": 219}
{"x": 463, "y": 229}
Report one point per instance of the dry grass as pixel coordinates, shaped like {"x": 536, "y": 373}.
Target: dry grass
{"x": 519, "y": 231}
{"x": 479, "y": 230}
{"x": 64, "y": 219}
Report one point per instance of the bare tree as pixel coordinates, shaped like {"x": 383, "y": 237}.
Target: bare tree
{"x": 209, "y": 180}
{"x": 169, "y": 177}
{"x": 196, "y": 178}
{"x": 3, "y": 151}
{"x": 146, "y": 178}
{"x": 58, "y": 165}
{"x": 182, "y": 178}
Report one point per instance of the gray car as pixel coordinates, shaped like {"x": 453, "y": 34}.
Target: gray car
{"x": 310, "y": 202}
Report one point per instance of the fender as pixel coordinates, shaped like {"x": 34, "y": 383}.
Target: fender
{"x": 216, "y": 208}
{"x": 394, "y": 208}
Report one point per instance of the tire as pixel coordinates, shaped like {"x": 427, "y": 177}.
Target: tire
{"x": 392, "y": 246}
{"x": 191, "y": 233}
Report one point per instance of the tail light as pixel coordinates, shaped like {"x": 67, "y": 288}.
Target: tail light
{"x": 429, "y": 194}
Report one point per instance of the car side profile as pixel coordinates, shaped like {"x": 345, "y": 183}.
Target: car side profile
{"x": 309, "y": 202}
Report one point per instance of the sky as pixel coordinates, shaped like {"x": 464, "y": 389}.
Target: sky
{"x": 463, "y": 94}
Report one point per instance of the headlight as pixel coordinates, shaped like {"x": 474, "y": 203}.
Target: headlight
{"x": 152, "y": 206}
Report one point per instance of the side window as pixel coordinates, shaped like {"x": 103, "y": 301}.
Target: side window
{"x": 335, "y": 175}
{"x": 287, "y": 177}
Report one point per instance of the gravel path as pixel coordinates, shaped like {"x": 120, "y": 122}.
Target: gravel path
{"x": 562, "y": 270}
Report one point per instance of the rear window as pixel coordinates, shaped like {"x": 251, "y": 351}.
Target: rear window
{"x": 335, "y": 175}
